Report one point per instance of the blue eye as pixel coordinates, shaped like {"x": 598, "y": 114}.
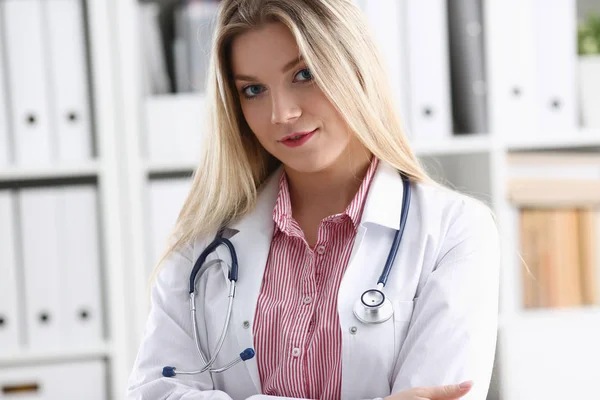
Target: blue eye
{"x": 252, "y": 91}
{"x": 305, "y": 75}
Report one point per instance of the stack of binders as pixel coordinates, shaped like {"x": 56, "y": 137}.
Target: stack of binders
{"x": 532, "y": 52}
{"x": 45, "y": 115}
{"x": 50, "y": 291}
{"x": 413, "y": 39}
{"x": 479, "y": 66}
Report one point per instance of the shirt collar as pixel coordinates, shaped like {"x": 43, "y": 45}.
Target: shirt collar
{"x": 282, "y": 212}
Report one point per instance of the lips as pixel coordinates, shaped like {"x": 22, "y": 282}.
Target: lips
{"x": 297, "y": 139}
{"x": 297, "y": 135}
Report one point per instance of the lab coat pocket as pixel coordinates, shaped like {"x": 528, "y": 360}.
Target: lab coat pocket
{"x": 403, "y": 311}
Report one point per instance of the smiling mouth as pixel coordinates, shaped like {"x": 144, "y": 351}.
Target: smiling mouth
{"x": 298, "y": 139}
{"x": 297, "y": 136}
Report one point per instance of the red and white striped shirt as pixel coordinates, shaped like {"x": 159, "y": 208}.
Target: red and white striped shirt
{"x": 297, "y": 334}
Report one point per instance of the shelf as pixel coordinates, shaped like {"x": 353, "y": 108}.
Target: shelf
{"x": 82, "y": 170}
{"x": 581, "y": 139}
{"x": 457, "y": 144}
{"x": 545, "y": 316}
{"x": 164, "y": 167}
{"x": 37, "y": 357}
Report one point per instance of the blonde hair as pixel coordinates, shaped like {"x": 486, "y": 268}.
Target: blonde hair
{"x": 334, "y": 40}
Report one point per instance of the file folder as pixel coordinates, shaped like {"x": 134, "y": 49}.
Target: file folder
{"x": 81, "y": 284}
{"x": 511, "y": 66}
{"x": 386, "y": 20}
{"x": 69, "y": 82}
{"x": 174, "y": 127}
{"x": 556, "y": 55}
{"x": 61, "y": 267}
{"x": 27, "y": 69}
{"x": 200, "y": 18}
{"x": 467, "y": 66}
{"x": 41, "y": 232}
{"x": 156, "y": 78}
{"x": 5, "y": 144}
{"x": 429, "y": 70}
{"x": 10, "y": 310}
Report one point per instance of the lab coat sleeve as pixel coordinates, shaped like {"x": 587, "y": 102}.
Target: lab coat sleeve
{"x": 265, "y": 397}
{"x": 168, "y": 340}
{"x": 453, "y": 331}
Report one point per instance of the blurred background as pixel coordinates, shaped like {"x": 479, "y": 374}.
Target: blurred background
{"x": 101, "y": 125}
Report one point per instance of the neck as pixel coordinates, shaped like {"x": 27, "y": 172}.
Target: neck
{"x": 329, "y": 191}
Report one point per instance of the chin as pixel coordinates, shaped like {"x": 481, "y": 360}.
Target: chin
{"x": 309, "y": 165}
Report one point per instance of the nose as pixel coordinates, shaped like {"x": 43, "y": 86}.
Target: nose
{"x": 285, "y": 108}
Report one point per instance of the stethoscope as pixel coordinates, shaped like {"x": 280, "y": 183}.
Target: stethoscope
{"x": 373, "y": 307}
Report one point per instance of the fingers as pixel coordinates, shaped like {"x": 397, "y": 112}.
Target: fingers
{"x": 446, "y": 392}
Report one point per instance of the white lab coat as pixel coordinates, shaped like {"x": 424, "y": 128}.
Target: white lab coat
{"x": 443, "y": 286}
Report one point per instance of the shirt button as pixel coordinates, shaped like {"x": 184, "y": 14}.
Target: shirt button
{"x": 320, "y": 249}
{"x": 307, "y": 300}
{"x": 295, "y": 351}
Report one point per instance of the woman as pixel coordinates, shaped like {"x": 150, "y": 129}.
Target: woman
{"x": 302, "y": 173}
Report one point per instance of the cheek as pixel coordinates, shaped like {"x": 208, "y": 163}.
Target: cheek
{"x": 319, "y": 105}
{"x": 256, "y": 118}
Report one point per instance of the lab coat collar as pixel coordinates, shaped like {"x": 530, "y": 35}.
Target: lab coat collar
{"x": 383, "y": 205}
{"x": 251, "y": 237}
{"x": 261, "y": 218}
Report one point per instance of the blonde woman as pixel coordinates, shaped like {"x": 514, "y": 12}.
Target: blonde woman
{"x": 309, "y": 178}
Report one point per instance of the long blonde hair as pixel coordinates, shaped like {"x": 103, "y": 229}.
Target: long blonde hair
{"x": 334, "y": 40}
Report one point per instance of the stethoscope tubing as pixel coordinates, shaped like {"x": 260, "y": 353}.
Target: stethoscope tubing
{"x": 406, "y": 194}
{"x": 200, "y": 267}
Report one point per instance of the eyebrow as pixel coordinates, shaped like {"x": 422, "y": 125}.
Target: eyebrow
{"x": 285, "y": 68}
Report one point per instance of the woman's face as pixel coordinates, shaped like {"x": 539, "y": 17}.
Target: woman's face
{"x": 284, "y": 107}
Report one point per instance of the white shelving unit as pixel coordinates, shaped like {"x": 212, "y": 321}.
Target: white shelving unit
{"x": 16, "y": 174}
{"x": 48, "y": 357}
{"x": 105, "y": 171}
{"x": 471, "y": 163}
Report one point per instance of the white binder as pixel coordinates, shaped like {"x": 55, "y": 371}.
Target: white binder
{"x": 174, "y": 127}
{"x": 429, "y": 69}
{"x": 386, "y": 20}
{"x": 80, "y": 264}
{"x": 166, "y": 200}
{"x": 467, "y": 66}
{"x": 70, "y": 97}
{"x": 41, "y": 232}
{"x": 5, "y": 146}
{"x": 556, "y": 58}
{"x": 511, "y": 67}
{"x": 27, "y": 69}
{"x": 200, "y": 18}
{"x": 61, "y": 267}
{"x": 156, "y": 78}
{"x": 74, "y": 380}
{"x": 10, "y": 315}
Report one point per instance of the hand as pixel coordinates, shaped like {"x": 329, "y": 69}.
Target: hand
{"x": 446, "y": 392}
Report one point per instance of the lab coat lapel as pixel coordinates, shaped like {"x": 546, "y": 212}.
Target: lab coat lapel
{"x": 251, "y": 237}
{"x": 382, "y": 208}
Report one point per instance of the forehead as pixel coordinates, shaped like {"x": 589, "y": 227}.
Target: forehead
{"x": 259, "y": 50}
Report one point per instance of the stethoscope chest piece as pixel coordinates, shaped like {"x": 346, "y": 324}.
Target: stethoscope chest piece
{"x": 373, "y": 307}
